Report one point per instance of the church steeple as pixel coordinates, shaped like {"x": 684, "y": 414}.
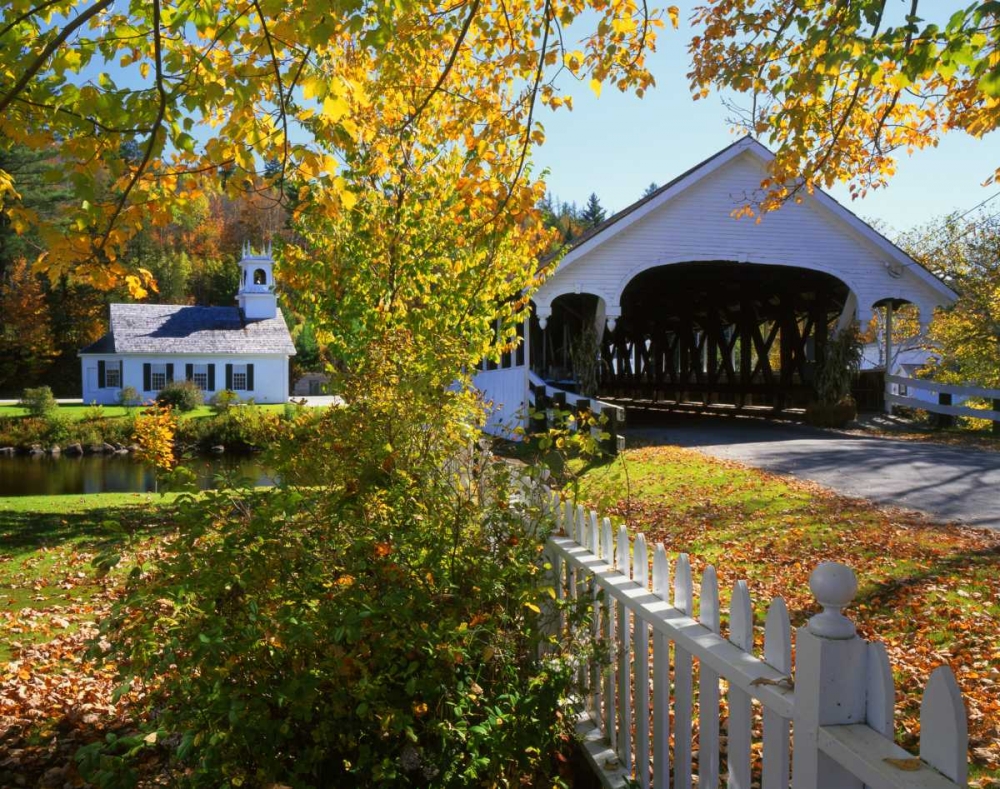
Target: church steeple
{"x": 256, "y": 294}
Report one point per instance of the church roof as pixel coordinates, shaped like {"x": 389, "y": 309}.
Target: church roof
{"x": 172, "y": 328}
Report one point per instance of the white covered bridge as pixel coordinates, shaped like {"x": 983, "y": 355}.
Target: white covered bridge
{"x": 690, "y": 303}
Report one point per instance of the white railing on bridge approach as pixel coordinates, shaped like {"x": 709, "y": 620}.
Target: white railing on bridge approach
{"x": 827, "y": 725}
{"x": 952, "y": 390}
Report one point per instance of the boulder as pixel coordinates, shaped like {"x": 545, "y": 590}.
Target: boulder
{"x": 36, "y": 451}
{"x": 55, "y": 450}
{"x": 218, "y": 449}
{"x": 133, "y": 448}
{"x": 95, "y": 449}
{"x": 6, "y": 451}
{"x": 106, "y": 447}
{"x": 75, "y": 449}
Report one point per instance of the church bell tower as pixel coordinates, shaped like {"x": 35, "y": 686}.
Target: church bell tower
{"x": 256, "y": 294}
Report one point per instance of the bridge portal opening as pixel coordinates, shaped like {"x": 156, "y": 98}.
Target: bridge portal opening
{"x": 721, "y": 333}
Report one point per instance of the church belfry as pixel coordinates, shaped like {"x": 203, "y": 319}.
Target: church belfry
{"x": 256, "y": 294}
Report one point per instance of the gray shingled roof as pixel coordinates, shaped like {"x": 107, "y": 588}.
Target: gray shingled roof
{"x": 170, "y": 328}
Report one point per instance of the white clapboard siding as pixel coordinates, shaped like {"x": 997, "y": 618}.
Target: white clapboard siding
{"x": 841, "y": 706}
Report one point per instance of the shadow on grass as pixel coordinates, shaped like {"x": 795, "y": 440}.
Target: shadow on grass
{"x": 22, "y": 532}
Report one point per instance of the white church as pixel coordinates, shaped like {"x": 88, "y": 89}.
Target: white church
{"x": 244, "y": 348}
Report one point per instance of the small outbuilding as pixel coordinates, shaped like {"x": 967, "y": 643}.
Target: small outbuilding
{"x": 245, "y": 348}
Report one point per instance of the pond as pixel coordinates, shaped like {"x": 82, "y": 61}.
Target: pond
{"x": 47, "y": 476}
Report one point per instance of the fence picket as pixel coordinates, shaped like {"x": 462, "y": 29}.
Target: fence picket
{"x": 740, "y": 634}
{"x": 567, "y": 518}
{"x": 661, "y": 677}
{"x": 708, "y": 688}
{"x": 842, "y": 703}
{"x": 611, "y": 674}
{"x": 683, "y": 680}
{"x": 624, "y": 619}
{"x": 944, "y": 732}
{"x": 597, "y": 618}
{"x": 640, "y": 574}
{"x": 880, "y": 701}
{"x": 778, "y": 654}
{"x": 580, "y": 524}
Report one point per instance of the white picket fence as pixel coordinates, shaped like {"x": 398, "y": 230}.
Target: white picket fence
{"x": 838, "y": 702}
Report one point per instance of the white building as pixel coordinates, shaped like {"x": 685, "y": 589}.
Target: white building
{"x": 244, "y": 349}
{"x": 693, "y": 306}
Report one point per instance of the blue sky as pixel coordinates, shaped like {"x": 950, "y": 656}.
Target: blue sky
{"x": 617, "y": 144}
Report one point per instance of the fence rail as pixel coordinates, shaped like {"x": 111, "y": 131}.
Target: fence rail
{"x": 945, "y": 393}
{"x": 651, "y": 714}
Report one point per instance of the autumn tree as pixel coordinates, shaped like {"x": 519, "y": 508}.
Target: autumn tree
{"x": 842, "y": 87}
{"x": 26, "y": 343}
{"x": 966, "y": 253}
{"x": 276, "y": 96}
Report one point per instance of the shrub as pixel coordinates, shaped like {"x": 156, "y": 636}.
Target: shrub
{"x": 383, "y": 630}
{"x": 224, "y": 400}
{"x": 840, "y": 364}
{"x": 294, "y": 409}
{"x": 181, "y": 395}
{"x": 39, "y": 402}
{"x": 129, "y": 397}
{"x": 831, "y": 414}
{"x": 93, "y": 413}
{"x": 58, "y": 428}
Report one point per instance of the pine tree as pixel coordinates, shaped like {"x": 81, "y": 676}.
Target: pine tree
{"x": 593, "y": 214}
{"x": 650, "y": 189}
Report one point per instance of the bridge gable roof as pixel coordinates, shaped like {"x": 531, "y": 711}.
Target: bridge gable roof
{"x": 843, "y": 219}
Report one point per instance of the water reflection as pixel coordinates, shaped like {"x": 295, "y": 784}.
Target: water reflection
{"x": 47, "y": 476}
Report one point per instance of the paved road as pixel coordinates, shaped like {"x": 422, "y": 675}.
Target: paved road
{"x": 948, "y": 483}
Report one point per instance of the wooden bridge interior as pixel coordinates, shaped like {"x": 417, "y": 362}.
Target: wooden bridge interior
{"x": 703, "y": 334}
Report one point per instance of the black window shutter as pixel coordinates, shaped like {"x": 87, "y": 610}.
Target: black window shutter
{"x": 101, "y": 375}
{"x": 249, "y": 377}
{"x": 229, "y": 376}
{"x": 170, "y": 373}
{"x": 188, "y": 372}
{"x": 211, "y": 377}
{"x": 121, "y": 373}
{"x": 147, "y": 377}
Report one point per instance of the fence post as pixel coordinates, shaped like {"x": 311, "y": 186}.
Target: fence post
{"x": 830, "y": 679}
{"x": 945, "y": 420}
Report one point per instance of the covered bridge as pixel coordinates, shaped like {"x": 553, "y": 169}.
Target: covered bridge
{"x": 687, "y": 302}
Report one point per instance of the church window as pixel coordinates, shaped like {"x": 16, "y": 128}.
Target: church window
{"x": 158, "y": 377}
{"x": 239, "y": 377}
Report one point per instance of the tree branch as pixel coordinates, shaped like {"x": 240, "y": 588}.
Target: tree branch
{"x": 36, "y": 65}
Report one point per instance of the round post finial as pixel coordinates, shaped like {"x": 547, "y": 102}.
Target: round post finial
{"x": 834, "y": 586}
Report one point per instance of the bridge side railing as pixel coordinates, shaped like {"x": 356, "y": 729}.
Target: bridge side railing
{"x": 670, "y": 683}
{"x": 945, "y": 394}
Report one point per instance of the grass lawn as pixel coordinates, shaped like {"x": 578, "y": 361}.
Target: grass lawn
{"x": 930, "y": 592}
{"x": 77, "y": 412}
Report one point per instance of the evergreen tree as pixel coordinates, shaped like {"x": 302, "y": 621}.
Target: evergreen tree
{"x": 593, "y": 214}
{"x": 653, "y": 186}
